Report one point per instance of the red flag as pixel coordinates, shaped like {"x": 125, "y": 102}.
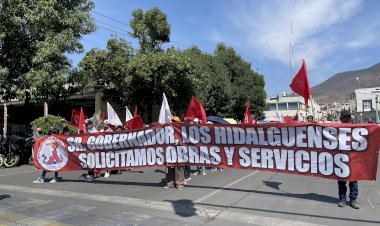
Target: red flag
{"x": 248, "y": 117}
{"x": 288, "y": 119}
{"x": 81, "y": 121}
{"x": 196, "y": 110}
{"x": 300, "y": 83}
{"x": 74, "y": 117}
{"x": 134, "y": 123}
{"x": 135, "y": 113}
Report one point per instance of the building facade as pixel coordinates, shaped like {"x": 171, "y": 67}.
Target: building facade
{"x": 366, "y": 104}
{"x": 292, "y": 106}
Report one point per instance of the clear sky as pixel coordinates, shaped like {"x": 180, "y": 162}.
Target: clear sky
{"x": 331, "y": 35}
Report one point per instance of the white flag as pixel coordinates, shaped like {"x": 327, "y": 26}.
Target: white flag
{"x": 165, "y": 114}
{"x": 128, "y": 114}
{"x": 112, "y": 116}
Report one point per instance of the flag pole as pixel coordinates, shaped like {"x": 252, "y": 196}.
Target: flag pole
{"x": 312, "y": 107}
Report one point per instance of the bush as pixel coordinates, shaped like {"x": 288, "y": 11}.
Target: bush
{"x": 49, "y": 122}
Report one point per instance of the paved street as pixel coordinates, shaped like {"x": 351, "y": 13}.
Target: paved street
{"x": 137, "y": 197}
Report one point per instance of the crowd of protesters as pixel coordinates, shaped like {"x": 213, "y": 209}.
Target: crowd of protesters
{"x": 178, "y": 176}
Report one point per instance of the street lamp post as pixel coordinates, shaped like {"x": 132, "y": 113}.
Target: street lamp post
{"x": 357, "y": 78}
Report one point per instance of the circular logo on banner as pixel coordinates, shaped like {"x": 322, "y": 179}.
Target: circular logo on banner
{"x": 52, "y": 154}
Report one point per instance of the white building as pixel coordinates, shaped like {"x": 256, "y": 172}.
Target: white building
{"x": 291, "y": 106}
{"x": 367, "y": 104}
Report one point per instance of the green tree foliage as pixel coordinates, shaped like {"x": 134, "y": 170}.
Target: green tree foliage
{"x": 223, "y": 81}
{"x": 49, "y": 122}
{"x": 245, "y": 83}
{"x": 34, "y": 37}
{"x": 103, "y": 69}
{"x": 151, "y": 74}
{"x": 210, "y": 82}
{"x": 151, "y": 29}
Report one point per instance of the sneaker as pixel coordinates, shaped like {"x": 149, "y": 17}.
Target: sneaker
{"x": 187, "y": 179}
{"x": 203, "y": 173}
{"x": 214, "y": 169}
{"x": 90, "y": 178}
{"x": 220, "y": 170}
{"x": 167, "y": 187}
{"x": 342, "y": 203}
{"x": 353, "y": 204}
{"x": 196, "y": 173}
{"x": 39, "y": 181}
{"x": 107, "y": 174}
{"x": 180, "y": 188}
{"x": 53, "y": 181}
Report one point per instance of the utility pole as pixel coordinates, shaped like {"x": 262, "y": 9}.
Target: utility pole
{"x": 5, "y": 121}
{"x": 45, "y": 109}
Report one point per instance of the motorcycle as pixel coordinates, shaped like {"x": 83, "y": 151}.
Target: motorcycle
{"x": 16, "y": 150}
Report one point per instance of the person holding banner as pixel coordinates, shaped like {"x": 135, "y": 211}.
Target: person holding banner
{"x": 310, "y": 118}
{"x": 91, "y": 173}
{"x": 345, "y": 117}
{"x": 41, "y": 179}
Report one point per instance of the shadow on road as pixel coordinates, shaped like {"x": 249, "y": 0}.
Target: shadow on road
{"x": 2, "y": 196}
{"x": 272, "y": 184}
{"x": 183, "y": 207}
{"x": 307, "y": 196}
{"x": 293, "y": 213}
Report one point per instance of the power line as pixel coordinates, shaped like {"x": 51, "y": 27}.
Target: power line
{"x": 113, "y": 31}
{"x": 111, "y": 18}
{"x": 118, "y": 21}
{"x": 110, "y": 25}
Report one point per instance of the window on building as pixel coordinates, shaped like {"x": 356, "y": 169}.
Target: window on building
{"x": 367, "y": 105}
{"x": 282, "y": 106}
{"x": 292, "y": 106}
{"x": 272, "y": 107}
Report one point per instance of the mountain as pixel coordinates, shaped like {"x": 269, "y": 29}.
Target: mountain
{"x": 340, "y": 86}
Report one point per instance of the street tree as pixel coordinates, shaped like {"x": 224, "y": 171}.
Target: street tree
{"x": 103, "y": 69}
{"x": 151, "y": 29}
{"x": 35, "y": 36}
{"x": 151, "y": 74}
{"x": 246, "y": 84}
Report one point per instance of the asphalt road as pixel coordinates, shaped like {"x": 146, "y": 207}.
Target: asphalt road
{"x": 137, "y": 197}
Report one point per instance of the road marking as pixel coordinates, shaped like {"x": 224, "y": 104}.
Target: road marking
{"x": 160, "y": 205}
{"x": 369, "y": 201}
{"x": 227, "y": 186}
{"x": 4, "y": 175}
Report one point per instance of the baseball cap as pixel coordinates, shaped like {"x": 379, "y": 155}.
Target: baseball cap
{"x": 107, "y": 122}
{"x": 196, "y": 120}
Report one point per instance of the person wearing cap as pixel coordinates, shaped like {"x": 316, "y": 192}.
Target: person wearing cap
{"x": 345, "y": 117}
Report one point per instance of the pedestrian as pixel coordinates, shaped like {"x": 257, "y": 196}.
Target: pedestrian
{"x": 310, "y": 118}
{"x": 41, "y": 178}
{"x": 345, "y": 117}
{"x": 175, "y": 177}
{"x": 91, "y": 174}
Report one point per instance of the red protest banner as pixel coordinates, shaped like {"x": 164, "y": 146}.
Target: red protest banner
{"x": 334, "y": 151}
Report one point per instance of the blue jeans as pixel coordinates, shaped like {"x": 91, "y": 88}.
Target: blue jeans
{"x": 187, "y": 171}
{"x": 354, "y": 190}
{"x": 43, "y": 174}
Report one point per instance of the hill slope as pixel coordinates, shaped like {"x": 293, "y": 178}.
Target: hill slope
{"x": 340, "y": 86}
